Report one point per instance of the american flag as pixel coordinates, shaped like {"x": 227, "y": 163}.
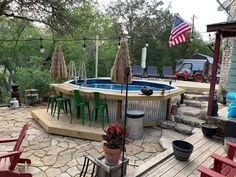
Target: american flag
{"x": 178, "y": 32}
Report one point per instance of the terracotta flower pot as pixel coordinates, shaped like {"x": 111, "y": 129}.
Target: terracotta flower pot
{"x": 112, "y": 156}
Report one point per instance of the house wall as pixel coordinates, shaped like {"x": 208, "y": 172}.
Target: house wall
{"x": 231, "y": 84}
{"x": 226, "y": 60}
{"x": 227, "y": 54}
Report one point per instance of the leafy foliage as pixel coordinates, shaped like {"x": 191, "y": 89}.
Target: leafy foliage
{"x": 114, "y": 136}
{"x": 58, "y": 15}
{"x": 33, "y": 78}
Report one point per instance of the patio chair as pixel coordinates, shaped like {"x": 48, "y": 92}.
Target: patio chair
{"x": 18, "y": 140}
{"x": 99, "y": 106}
{"x": 80, "y": 105}
{"x": 8, "y": 162}
{"x": 137, "y": 71}
{"x": 167, "y": 73}
{"x": 152, "y": 72}
{"x": 223, "y": 166}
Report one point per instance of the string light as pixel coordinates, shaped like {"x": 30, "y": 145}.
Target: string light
{"x": 119, "y": 41}
{"x": 191, "y": 39}
{"x": 41, "y": 45}
{"x": 84, "y": 46}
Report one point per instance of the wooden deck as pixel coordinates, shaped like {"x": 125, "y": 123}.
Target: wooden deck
{"x": 63, "y": 127}
{"x": 166, "y": 165}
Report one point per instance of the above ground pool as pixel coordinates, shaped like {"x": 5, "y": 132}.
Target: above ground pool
{"x": 156, "y": 107}
{"x": 107, "y": 84}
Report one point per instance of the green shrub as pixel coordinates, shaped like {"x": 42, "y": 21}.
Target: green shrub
{"x": 33, "y": 78}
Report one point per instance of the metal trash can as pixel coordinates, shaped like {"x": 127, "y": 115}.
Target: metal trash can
{"x": 135, "y": 124}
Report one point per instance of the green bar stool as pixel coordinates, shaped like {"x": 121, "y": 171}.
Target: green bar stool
{"x": 62, "y": 103}
{"x": 80, "y": 105}
{"x": 51, "y": 102}
{"x": 99, "y": 106}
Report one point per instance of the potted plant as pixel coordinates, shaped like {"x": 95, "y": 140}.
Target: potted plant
{"x": 208, "y": 129}
{"x": 113, "y": 144}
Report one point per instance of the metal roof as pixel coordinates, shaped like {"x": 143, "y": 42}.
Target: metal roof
{"x": 209, "y": 58}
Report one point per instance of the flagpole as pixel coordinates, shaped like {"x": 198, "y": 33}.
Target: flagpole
{"x": 192, "y": 36}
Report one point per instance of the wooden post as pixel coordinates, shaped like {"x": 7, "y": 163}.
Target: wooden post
{"x": 182, "y": 98}
{"x": 96, "y": 60}
{"x": 118, "y": 110}
{"x": 214, "y": 73}
{"x": 168, "y": 108}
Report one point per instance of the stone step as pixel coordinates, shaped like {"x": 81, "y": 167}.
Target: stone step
{"x": 189, "y": 111}
{"x": 189, "y": 120}
{"x": 203, "y": 97}
{"x": 196, "y": 104}
{"x": 179, "y": 127}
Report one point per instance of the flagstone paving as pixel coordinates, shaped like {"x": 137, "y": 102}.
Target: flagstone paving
{"x": 59, "y": 156}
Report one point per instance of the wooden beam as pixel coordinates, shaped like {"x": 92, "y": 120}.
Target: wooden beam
{"x": 225, "y": 26}
{"x": 214, "y": 73}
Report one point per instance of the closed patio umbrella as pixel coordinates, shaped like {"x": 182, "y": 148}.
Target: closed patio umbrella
{"x": 122, "y": 61}
{"x": 58, "y": 66}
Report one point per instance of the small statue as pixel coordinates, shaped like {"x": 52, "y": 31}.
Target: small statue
{"x": 215, "y": 107}
{"x": 146, "y": 90}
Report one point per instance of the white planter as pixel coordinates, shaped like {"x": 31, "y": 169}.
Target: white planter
{"x": 14, "y": 103}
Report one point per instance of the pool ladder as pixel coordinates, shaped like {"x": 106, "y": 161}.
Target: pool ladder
{"x": 82, "y": 73}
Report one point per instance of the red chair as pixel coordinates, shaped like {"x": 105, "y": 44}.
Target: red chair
{"x": 223, "y": 166}
{"x": 15, "y": 153}
{"x": 8, "y": 162}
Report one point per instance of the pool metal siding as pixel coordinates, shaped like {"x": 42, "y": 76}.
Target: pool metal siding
{"x": 155, "y": 110}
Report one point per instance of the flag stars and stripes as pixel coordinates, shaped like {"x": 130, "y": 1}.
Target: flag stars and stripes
{"x": 178, "y": 32}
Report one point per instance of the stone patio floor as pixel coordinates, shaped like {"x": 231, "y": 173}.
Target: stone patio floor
{"x": 59, "y": 156}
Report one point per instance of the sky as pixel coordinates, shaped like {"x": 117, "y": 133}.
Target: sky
{"x": 205, "y": 12}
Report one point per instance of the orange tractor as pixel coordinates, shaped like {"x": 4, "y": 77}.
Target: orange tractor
{"x": 186, "y": 71}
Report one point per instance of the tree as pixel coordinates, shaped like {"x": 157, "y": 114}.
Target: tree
{"x": 16, "y": 53}
{"x": 142, "y": 20}
{"x": 146, "y": 21}
{"x": 58, "y": 14}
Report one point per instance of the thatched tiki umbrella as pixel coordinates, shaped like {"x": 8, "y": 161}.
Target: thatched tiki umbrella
{"x": 121, "y": 74}
{"x": 122, "y": 61}
{"x": 58, "y": 66}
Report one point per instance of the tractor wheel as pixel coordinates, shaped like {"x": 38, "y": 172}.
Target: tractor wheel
{"x": 198, "y": 78}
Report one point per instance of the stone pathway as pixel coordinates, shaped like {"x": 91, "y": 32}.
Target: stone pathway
{"x": 59, "y": 156}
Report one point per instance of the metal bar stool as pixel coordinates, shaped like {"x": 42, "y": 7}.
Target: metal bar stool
{"x": 99, "y": 106}
{"x": 51, "y": 102}
{"x": 78, "y": 103}
{"x": 62, "y": 103}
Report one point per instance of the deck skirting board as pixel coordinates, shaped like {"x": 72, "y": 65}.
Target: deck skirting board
{"x": 63, "y": 127}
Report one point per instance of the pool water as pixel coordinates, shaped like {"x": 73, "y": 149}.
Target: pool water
{"x": 107, "y": 84}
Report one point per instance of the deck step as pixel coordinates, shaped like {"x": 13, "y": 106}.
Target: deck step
{"x": 189, "y": 120}
{"x": 183, "y": 128}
